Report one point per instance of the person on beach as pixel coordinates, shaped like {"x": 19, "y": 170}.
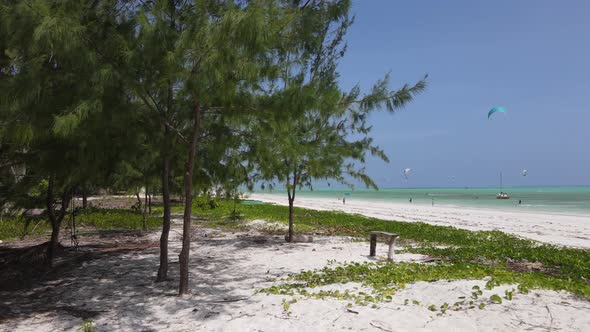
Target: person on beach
{"x": 343, "y": 200}
{"x": 519, "y": 201}
{"x": 410, "y": 199}
{"x": 433, "y": 202}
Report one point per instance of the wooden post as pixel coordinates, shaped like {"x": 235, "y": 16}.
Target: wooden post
{"x": 391, "y": 252}
{"x": 373, "y": 244}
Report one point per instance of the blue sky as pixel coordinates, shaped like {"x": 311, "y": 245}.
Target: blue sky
{"x": 530, "y": 56}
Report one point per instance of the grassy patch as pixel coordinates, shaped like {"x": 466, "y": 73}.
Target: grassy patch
{"x": 385, "y": 278}
{"x": 116, "y": 219}
{"x": 16, "y": 227}
{"x": 104, "y": 219}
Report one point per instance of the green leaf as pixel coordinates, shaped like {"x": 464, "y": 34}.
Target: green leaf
{"x": 495, "y": 298}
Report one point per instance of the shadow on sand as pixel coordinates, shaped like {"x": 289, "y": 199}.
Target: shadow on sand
{"x": 115, "y": 283}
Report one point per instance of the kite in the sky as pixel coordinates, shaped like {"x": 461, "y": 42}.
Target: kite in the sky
{"x": 496, "y": 109}
{"x": 406, "y": 172}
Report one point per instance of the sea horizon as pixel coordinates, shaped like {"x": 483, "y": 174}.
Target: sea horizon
{"x": 552, "y": 199}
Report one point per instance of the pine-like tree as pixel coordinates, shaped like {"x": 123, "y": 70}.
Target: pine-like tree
{"x": 315, "y": 130}
{"x": 190, "y": 62}
{"x": 54, "y": 82}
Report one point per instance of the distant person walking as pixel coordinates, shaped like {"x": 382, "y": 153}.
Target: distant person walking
{"x": 343, "y": 200}
{"x": 519, "y": 201}
{"x": 410, "y": 199}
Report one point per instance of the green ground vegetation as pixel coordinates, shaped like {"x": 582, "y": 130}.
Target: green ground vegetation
{"x": 103, "y": 219}
{"x": 463, "y": 254}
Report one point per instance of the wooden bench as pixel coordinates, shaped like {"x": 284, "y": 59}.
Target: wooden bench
{"x": 392, "y": 238}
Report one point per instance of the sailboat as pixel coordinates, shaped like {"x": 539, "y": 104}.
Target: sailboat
{"x": 502, "y": 194}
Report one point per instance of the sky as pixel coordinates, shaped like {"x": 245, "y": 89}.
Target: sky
{"x": 530, "y": 56}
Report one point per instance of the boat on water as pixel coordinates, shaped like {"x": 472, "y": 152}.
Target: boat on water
{"x": 502, "y": 194}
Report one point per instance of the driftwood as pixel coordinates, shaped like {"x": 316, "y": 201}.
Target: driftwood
{"x": 380, "y": 325}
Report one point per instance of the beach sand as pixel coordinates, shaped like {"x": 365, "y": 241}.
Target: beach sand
{"x": 561, "y": 229}
{"x": 227, "y": 270}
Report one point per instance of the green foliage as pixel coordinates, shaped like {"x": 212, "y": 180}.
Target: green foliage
{"x": 17, "y": 227}
{"x": 313, "y": 129}
{"x": 235, "y": 216}
{"x": 204, "y": 203}
{"x": 384, "y": 279}
{"x": 62, "y": 113}
{"x": 104, "y": 219}
{"x": 87, "y": 326}
{"x": 523, "y": 289}
{"x": 508, "y": 294}
{"x": 109, "y": 219}
{"x": 287, "y": 305}
{"x": 491, "y": 283}
{"x": 486, "y": 247}
{"x": 495, "y": 298}
{"x": 39, "y": 190}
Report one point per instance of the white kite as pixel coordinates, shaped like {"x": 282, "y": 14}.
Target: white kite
{"x": 407, "y": 172}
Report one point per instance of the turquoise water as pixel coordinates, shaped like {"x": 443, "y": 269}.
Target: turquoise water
{"x": 574, "y": 200}
{"x": 251, "y": 202}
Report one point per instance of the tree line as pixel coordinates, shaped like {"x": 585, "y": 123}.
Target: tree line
{"x": 178, "y": 96}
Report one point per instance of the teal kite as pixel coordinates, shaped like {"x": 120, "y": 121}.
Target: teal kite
{"x": 496, "y": 109}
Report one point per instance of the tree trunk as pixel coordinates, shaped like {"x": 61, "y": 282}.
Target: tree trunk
{"x": 291, "y": 230}
{"x": 145, "y": 208}
{"x": 138, "y": 201}
{"x": 188, "y": 202}
{"x": 163, "y": 270}
{"x": 291, "y": 194}
{"x": 55, "y": 218}
{"x": 164, "y": 150}
{"x": 54, "y": 242}
{"x": 150, "y": 204}
{"x": 84, "y": 199}
{"x": 55, "y": 226}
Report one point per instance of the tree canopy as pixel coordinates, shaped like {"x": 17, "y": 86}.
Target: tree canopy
{"x": 186, "y": 96}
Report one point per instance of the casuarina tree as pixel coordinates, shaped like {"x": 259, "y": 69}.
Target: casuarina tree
{"x": 54, "y": 81}
{"x": 316, "y": 130}
{"x": 190, "y": 60}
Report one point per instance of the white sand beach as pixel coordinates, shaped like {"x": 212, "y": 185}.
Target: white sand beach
{"x": 561, "y": 229}
{"x": 227, "y": 270}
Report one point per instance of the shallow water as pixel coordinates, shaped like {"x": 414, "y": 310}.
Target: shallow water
{"x": 572, "y": 199}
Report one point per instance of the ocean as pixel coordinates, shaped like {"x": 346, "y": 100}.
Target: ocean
{"x": 570, "y": 200}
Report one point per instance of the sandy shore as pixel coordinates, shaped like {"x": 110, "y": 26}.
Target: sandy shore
{"x": 561, "y": 229}
{"x": 227, "y": 270}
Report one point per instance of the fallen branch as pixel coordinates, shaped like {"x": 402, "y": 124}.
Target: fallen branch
{"x": 352, "y": 311}
{"x": 228, "y": 300}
